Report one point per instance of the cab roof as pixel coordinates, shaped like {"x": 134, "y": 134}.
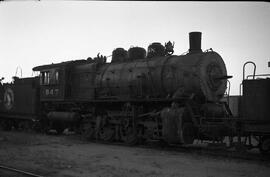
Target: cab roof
{"x": 62, "y": 64}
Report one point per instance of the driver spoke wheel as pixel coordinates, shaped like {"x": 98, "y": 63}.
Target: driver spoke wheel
{"x": 264, "y": 145}
{"x": 129, "y": 136}
{"x": 87, "y": 131}
{"x": 5, "y": 125}
{"x": 24, "y": 126}
{"x": 106, "y": 134}
{"x": 188, "y": 133}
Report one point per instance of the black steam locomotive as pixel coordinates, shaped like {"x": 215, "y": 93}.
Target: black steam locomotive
{"x": 139, "y": 96}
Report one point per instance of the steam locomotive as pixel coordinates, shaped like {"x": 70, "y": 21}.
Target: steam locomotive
{"x": 138, "y": 96}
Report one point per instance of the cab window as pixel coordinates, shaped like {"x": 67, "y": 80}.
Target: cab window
{"x": 45, "y": 78}
{"x": 49, "y": 77}
{"x": 56, "y": 77}
{"x": 42, "y": 76}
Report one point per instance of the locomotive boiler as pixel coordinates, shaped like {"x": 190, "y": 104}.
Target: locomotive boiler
{"x": 201, "y": 73}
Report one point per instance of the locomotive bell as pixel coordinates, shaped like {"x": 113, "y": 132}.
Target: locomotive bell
{"x": 195, "y": 42}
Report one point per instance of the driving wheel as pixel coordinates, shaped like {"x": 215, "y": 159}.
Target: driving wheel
{"x": 87, "y": 131}
{"x": 188, "y": 133}
{"x": 106, "y": 133}
{"x": 264, "y": 145}
{"x": 129, "y": 135}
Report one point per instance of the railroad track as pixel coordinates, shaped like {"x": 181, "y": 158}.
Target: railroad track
{"x": 197, "y": 150}
{"x": 18, "y": 171}
{"x": 216, "y": 152}
{"x": 223, "y": 152}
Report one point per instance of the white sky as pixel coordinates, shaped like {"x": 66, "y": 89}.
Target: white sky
{"x": 36, "y": 33}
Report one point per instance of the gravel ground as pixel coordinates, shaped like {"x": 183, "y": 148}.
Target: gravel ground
{"x": 68, "y": 156}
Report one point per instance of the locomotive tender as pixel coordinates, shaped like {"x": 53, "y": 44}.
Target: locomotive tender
{"x": 140, "y": 95}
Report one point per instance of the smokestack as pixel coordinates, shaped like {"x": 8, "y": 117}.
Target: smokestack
{"x": 195, "y": 42}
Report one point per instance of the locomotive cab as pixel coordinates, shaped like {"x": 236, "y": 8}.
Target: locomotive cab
{"x": 52, "y": 80}
{"x": 50, "y": 83}
{"x": 66, "y": 81}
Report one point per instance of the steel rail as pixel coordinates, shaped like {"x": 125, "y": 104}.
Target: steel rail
{"x": 224, "y": 152}
{"x": 19, "y": 171}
